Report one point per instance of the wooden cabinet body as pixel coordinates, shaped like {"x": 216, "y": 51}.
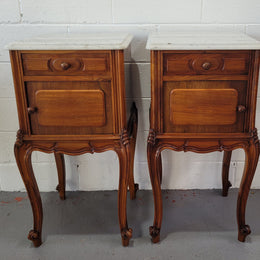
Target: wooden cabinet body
{"x": 72, "y": 102}
{"x": 203, "y": 101}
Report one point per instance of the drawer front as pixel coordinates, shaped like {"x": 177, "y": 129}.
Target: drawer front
{"x": 204, "y": 106}
{"x": 57, "y": 108}
{"x": 66, "y": 64}
{"x": 206, "y": 63}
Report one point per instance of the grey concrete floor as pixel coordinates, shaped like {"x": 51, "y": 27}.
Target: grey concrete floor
{"x": 197, "y": 224}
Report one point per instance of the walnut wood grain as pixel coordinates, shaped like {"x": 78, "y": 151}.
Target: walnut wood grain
{"x": 23, "y": 153}
{"x": 203, "y": 106}
{"x": 205, "y": 63}
{"x": 73, "y": 102}
{"x": 74, "y": 63}
{"x": 215, "y": 100}
{"x": 87, "y": 108}
{"x": 197, "y": 121}
{"x": 71, "y": 107}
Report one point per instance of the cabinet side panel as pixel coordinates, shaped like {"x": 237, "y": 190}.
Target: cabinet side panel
{"x": 156, "y": 116}
{"x": 252, "y": 90}
{"x": 119, "y": 87}
{"x": 19, "y": 91}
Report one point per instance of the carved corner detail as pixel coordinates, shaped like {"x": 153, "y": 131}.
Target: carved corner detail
{"x": 19, "y": 138}
{"x": 254, "y": 136}
{"x": 35, "y": 237}
{"x": 92, "y": 148}
{"x": 126, "y": 234}
{"x": 151, "y": 137}
{"x": 185, "y": 145}
{"x": 155, "y": 234}
{"x": 124, "y": 137}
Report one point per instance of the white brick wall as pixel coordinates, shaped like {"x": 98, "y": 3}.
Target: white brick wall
{"x": 25, "y": 18}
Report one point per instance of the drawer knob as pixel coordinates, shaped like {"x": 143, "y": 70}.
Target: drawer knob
{"x": 31, "y": 110}
{"x": 65, "y": 65}
{"x": 241, "y": 108}
{"x": 206, "y": 65}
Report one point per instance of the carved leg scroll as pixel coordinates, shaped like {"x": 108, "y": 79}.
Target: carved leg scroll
{"x": 23, "y": 159}
{"x": 225, "y": 173}
{"x": 153, "y": 157}
{"x": 60, "y": 163}
{"x": 123, "y": 156}
{"x": 132, "y": 132}
{"x": 252, "y": 155}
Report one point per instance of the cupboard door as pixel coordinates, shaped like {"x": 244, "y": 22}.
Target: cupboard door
{"x": 65, "y": 108}
{"x": 204, "y": 106}
{"x": 84, "y": 108}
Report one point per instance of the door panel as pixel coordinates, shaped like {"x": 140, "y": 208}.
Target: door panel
{"x": 204, "y": 106}
{"x": 86, "y": 107}
{"x": 67, "y": 108}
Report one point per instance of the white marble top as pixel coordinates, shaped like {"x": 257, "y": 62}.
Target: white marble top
{"x": 69, "y": 41}
{"x": 201, "y": 41}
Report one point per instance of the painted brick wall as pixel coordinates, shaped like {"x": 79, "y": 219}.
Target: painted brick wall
{"x": 25, "y": 18}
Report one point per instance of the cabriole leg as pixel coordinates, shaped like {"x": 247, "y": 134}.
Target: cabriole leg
{"x": 132, "y": 132}
{"x": 252, "y": 155}
{"x": 60, "y": 163}
{"x": 153, "y": 156}
{"x": 225, "y": 173}
{"x": 23, "y": 159}
{"x": 123, "y": 156}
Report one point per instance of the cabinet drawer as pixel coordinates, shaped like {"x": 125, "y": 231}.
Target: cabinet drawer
{"x": 69, "y": 64}
{"x": 68, "y": 108}
{"x": 206, "y": 63}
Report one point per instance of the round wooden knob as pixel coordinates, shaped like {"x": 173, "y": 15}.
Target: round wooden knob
{"x": 206, "y": 65}
{"x": 241, "y": 108}
{"x": 31, "y": 110}
{"x": 65, "y": 65}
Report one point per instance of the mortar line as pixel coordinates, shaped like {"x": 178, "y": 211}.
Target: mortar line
{"x": 20, "y": 11}
{"x": 112, "y": 11}
{"x": 201, "y": 10}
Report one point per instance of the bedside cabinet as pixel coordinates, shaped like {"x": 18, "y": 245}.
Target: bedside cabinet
{"x": 70, "y": 94}
{"x": 203, "y": 99}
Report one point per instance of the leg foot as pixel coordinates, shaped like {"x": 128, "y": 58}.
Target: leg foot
{"x": 225, "y": 173}
{"x": 243, "y": 232}
{"x": 155, "y": 234}
{"x": 126, "y": 234}
{"x": 35, "y": 237}
{"x": 60, "y": 163}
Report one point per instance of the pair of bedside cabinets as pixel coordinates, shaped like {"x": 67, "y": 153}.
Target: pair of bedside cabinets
{"x": 70, "y": 94}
